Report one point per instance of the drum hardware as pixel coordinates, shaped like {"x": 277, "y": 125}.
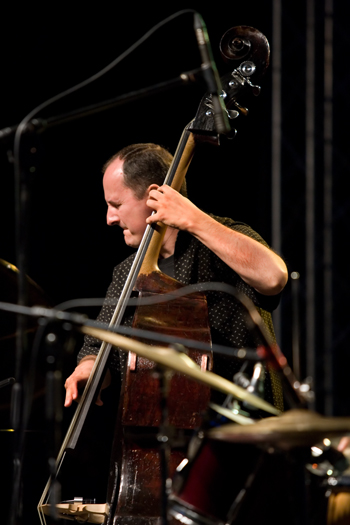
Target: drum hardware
{"x": 253, "y": 385}
{"x": 256, "y": 384}
{"x": 341, "y": 481}
{"x": 305, "y": 389}
{"x": 327, "y": 461}
{"x": 165, "y": 437}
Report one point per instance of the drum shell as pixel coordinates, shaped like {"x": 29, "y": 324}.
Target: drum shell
{"x": 219, "y": 474}
{"x": 338, "y": 508}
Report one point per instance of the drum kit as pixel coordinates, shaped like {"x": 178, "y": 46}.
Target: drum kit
{"x": 239, "y": 470}
{"x": 247, "y": 471}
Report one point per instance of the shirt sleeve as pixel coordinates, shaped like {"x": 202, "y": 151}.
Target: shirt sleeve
{"x": 92, "y": 345}
{"x": 267, "y": 302}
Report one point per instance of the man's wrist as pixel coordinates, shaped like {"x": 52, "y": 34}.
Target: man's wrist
{"x": 87, "y": 358}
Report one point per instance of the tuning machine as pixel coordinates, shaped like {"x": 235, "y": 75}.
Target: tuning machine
{"x": 231, "y": 113}
{"x": 241, "y": 76}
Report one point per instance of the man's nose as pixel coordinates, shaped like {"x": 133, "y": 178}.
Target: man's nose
{"x": 112, "y": 217}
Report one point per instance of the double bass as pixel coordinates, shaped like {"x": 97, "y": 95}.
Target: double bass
{"x": 137, "y": 487}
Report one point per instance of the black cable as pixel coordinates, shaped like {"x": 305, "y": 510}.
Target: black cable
{"x": 82, "y": 320}
{"x": 160, "y": 298}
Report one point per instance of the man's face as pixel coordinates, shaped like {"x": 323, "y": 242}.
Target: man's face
{"x": 124, "y": 208}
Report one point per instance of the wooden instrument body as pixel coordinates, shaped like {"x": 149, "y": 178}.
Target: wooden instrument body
{"x": 182, "y": 317}
{"x": 137, "y": 452}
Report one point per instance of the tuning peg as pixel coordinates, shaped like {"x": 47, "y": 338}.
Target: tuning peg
{"x": 247, "y": 69}
{"x": 241, "y": 77}
{"x": 255, "y": 89}
{"x": 231, "y": 135}
{"x": 241, "y": 109}
{"x": 232, "y": 113}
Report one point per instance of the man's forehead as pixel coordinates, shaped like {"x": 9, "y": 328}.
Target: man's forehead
{"x": 114, "y": 172}
{"x": 116, "y": 165}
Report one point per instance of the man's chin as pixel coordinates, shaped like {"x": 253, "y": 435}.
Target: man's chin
{"x": 130, "y": 241}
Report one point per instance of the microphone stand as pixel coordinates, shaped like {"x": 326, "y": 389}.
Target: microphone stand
{"x": 38, "y": 125}
{"x": 7, "y": 382}
{"x": 24, "y": 170}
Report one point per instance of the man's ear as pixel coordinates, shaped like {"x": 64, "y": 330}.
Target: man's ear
{"x": 152, "y": 187}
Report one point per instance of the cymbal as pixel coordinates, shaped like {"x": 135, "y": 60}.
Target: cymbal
{"x": 179, "y": 362}
{"x": 294, "y": 428}
{"x": 9, "y": 294}
{"x": 9, "y": 275}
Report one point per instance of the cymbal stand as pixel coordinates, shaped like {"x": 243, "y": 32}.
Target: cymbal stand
{"x": 55, "y": 339}
{"x": 164, "y": 439}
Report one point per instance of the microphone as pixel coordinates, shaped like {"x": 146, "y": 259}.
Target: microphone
{"x": 211, "y": 75}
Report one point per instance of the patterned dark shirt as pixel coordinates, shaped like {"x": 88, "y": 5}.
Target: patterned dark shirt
{"x": 194, "y": 263}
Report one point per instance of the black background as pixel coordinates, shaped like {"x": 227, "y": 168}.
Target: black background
{"x": 71, "y": 251}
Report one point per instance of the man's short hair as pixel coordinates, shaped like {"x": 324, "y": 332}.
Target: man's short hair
{"x": 144, "y": 164}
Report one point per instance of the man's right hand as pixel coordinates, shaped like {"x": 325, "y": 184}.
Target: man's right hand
{"x": 79, "y": 379}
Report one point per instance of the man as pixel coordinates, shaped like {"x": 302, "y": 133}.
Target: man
{"x": 197, "y": 247}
